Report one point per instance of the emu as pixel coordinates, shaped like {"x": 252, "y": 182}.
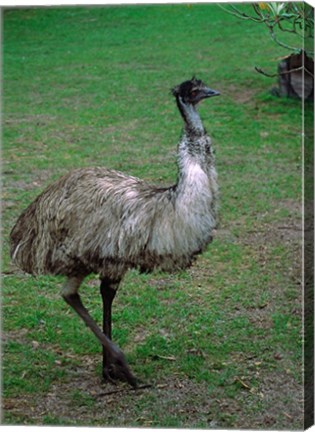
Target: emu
{"x": 101, "y": 221}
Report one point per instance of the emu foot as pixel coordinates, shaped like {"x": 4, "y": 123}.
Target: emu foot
{"x": 117, "y": 369}
{"x": 112, "y": 374}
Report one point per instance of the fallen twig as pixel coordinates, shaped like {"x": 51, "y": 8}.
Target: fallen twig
{"x": 157, "y": 357}
{"x": 243, "y": 384}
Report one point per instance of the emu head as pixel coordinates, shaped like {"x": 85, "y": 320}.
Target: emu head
{"x": 193, "y": 91}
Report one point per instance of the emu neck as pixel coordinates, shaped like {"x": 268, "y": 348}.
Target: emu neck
{"x": 191, "y": 117}
{"x": 196, "y": 161}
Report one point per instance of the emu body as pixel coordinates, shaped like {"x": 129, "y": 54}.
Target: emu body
{"x": 96, "y": 220}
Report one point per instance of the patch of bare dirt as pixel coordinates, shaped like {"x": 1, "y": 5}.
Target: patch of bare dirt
{"x": 16, "y": 335}
{"x": 279, "y": 413}
{"x": 83, "y": 400}
{"x": 244, "y": 96}
{"x": 289, "y": 233}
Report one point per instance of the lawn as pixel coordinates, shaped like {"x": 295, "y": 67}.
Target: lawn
{"x": 221, "y": 342}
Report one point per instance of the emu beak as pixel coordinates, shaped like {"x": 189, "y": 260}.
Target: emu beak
{"x": 208, "y": 92}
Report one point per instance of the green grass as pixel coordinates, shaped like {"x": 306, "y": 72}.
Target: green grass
{"x": 220, "y": 341}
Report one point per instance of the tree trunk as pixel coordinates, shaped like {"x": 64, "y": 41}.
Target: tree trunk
{"x": 292, "y": 77}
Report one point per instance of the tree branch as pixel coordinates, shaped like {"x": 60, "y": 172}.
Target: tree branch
{"x": 283, "y": 73}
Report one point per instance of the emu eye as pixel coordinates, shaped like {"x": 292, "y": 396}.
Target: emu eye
{"x": 193, "y": 93}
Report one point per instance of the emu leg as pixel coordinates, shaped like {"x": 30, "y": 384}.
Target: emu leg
{"x": 116, "y": 356}
{"x": 108, "y": 291}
